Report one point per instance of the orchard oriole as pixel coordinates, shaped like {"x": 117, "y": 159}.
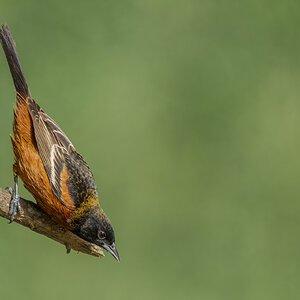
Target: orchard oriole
{"x": 50, "y": 167}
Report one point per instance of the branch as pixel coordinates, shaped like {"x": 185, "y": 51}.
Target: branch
{"x": 37, "y": 220}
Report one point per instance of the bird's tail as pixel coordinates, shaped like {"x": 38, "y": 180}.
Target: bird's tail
{"x": 11, "y": 54}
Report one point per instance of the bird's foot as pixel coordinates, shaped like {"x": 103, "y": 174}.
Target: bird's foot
{"x": 14, "y": 204}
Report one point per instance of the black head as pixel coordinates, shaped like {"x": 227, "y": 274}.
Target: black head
{"x": 98, "y": 230}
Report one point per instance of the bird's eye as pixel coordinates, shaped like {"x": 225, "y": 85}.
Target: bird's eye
{"x": 101, "y": 235}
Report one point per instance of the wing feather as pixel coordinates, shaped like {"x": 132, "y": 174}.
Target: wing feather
{"x": 52, "y": 144}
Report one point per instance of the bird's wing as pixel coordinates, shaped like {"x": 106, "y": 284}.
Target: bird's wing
{"x": 53, "y": 145}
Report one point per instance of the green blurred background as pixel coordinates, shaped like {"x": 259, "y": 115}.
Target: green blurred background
{"x": 188, "y": 113}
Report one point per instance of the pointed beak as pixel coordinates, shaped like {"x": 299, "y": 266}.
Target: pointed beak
{"x": 112, "y": 250}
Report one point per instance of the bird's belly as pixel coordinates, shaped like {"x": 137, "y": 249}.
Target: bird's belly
{"x": 29, "y": 167}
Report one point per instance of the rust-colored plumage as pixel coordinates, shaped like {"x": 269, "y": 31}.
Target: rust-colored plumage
{"x": 29, "y": 167}
{"x": 50, "y": 167}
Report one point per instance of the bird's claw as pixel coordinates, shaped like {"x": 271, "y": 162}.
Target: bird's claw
{"x": 14, "y": 204}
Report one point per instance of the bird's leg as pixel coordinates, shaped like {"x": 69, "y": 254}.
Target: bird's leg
{"x": 14, "y": 203}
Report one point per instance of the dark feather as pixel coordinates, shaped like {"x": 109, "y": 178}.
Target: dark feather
{"x": 11, "y": 54}
{"x": 81, "y": 183}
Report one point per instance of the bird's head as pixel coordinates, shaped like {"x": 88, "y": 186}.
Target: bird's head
{"x": 97, "y": 229}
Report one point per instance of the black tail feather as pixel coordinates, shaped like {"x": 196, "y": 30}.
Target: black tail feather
{"x": 11, "y": 54}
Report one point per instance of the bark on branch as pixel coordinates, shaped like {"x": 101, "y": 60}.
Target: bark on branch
{"x": 37, "y": 220}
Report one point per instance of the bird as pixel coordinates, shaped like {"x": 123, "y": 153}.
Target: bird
{"x": 49, "y": 166}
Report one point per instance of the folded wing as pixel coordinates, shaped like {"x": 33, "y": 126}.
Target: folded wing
{"x": 52, "y": 144}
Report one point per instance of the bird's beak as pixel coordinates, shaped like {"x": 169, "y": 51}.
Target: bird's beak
{"x": 112, "y": 250}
